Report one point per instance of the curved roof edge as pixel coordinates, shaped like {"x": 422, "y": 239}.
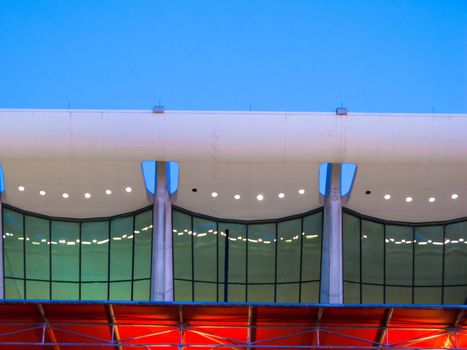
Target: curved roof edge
{"x": 230, "y": 136}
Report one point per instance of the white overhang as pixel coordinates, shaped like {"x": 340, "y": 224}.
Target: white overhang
{"x": 246, "y": 153}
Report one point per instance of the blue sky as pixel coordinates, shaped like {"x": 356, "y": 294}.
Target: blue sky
{"x": 373, "y": 56}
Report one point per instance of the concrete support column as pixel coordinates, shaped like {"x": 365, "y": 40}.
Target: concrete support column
{"x": 162, "y": 267}
{"x": 331, "y": 266}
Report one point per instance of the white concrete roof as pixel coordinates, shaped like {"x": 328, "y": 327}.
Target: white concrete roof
{"x": 248, "y": 153}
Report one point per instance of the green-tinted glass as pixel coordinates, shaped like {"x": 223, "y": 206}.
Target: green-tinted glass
{"x": 429, "y": 256}
{"x": 399, "y": 246}
{"x": 37, "y": 290}
{"x": 398, "y": 295}
{"x": 13, "y": 241}
{"x": 183, "y": 291}
{"x": 205, "y": 291}
{"x": 205, "y": 253}
{"x": 121, "y": 251}
{"x": 288, "y": 255}
{"x": 14, "y": 289}
{"x": 37, "y": 250}
{"x": 351, "y": 232}
{"x": 65, "y": 251}
{"x": 351, "y": 293}
{"x": 94, "y": 251}
{"x": 143, "y": 245}
{"x": 310, "y": 292}
{"x": 372, "y": 294}
{"x": 94, "y": 291}
{"x": 455, "y": 254}
{"x": 237, "y": 260}
{"x": 311, "y": 261}
{"x": 372, "y": 255}
{"x": 287, "y": 293}
{"x": 182, "y": 234}
{"x": 261, "y": 255}
{"x": 261, "y": 293}
{"x": 65, "y": 291}
{"x": 141, "y": 290}
{"x": 120, "y": 291}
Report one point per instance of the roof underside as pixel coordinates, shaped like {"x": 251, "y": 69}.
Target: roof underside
{"x": 230, "y": 153}
{"x": 242, "y": 326}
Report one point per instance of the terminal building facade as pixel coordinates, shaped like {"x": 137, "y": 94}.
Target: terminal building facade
{"x": 237, "y": 207}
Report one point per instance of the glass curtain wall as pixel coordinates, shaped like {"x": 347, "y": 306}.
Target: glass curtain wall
{"x": 103, "y": 259}
{"x": 402, "y": 263}
{"x": 267, "y": 261}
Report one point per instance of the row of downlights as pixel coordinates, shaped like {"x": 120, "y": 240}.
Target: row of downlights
{"x": 260, "y": 196}
{"x": 431, "y": 199}
{"x": 65, "y": 195}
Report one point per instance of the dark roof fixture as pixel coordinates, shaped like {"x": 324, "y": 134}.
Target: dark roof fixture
{"x": 158, "y": 109}
{"x": 341, "y": 111}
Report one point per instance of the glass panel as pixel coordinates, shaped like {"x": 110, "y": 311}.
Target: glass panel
{"x": 310, "y": 292}
{"x": 427, "y": 295}
{"x": 37, "y": 290}
{"x": 121, "y": 250}
{"x": 429, "y": 256}
{"x": 94, "y": 291}
{"x": 237, "y": 252}
{"x": 182, "y": 246}
{"x": 287, "y": 293}
{"x": 37, "y": 251}
{"x": 372, "y": 254}
{"x": 288, "y": 251}
{"x": 311, "y": 261}
{"x": 399, "y": 245}
{"x": 455, "y": 295}
{"x": 236, "y": 293}
{"x": 13, "y": 239}
{"x": 65, "y": 254}
{"x": 141, "y": 290}
{"x": 143, "y": 245}
{"x": 398, "y": 295}
{"x": 205, "y": 291}
{"x": 183, "y": 291}
{"x": 372, "y": 294}
{"x": 261, "y": 254}
{"x": 94, "y": 250}
{"x": 120, "y": 291}
{"x": 261, "y": 293}
{"x": 351, "y": 293}
{"x": 65, "y": 291}
{"x": 14, "y": 289}
{"x": 351, "y": 231}
{"x": 204, "y": 250}
{"x": 456, "y": 254}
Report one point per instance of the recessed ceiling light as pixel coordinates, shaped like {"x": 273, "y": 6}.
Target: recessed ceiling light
{"x": 128, "y": 189}
{"x": 281, "y": 195}
{"x": 108, "y": 192}
{"x": 87, "y": 195}
{"x": 237, "y": 196}
{"x": 42, "y": 193}
{"x": 260, "y": 197}
{"x": 454, "y": 196}
{"x": 21, "y": 188}
{"x": 65, "y": 195}
{"x": 387, "y": 196}
{"x": 214, "y": 194}
{"x": 301, "y": 191}
{"x": 408, "y": 199}
{"x": 431, "y": 199}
